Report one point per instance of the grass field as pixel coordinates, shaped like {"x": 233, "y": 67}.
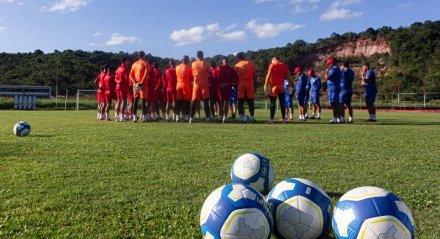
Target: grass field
{"x": 75, "y": 177}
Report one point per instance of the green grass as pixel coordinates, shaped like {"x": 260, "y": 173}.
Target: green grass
{"x": 75, "y": 177}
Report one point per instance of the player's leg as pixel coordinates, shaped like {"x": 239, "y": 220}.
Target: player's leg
{"x": 135, "y": 108}
{"x": 250, "y": 96}
{"x": 306, "y": 100}
{"x": 212, "y": 104}
{"x": 144, "y": 109}
{"x": 281, "y": 99}
{"x": 251, "y": 104}
{"x": 272, "y": 108}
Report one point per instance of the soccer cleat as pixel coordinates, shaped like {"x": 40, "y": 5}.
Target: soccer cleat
{"x": 190, "y": 120}
{"x": 135, "y": 118}
{"x": 333, "y": 121}
{"x": 270, "y": 121}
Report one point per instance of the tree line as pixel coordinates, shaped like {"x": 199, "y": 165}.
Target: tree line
{"x": 413, "y": 64}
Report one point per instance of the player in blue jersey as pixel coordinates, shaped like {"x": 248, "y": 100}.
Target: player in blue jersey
{"x": 233, "y": 102}
{"x": 333, "y": 88}
{"x": 347, "y": 77}
{"x": 289, "y": 90}
{"x": 369, "y": 83}
{"x": 301, "y": 93}
{"x": 306, "y": 99}
{"x": 315, "y": 88}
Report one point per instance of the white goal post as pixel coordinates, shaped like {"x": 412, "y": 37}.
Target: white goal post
{"x": 82, "y": 92}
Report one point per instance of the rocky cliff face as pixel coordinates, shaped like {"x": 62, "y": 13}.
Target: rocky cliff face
{"x": 361, "y": 48}
{"x": 353, "y": 49}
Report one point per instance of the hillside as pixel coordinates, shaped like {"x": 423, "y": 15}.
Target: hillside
{"x": 407, "y": 56}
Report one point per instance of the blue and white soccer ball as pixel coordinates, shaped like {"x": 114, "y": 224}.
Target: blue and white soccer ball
{"x": 255, "y": 170}
{"x": 22, "y": 128}
{"x": 235, "y": 211}
{"x": 246, "y": 119}
{"x": 301, "y": 209}
{"x": 371, "y": 212}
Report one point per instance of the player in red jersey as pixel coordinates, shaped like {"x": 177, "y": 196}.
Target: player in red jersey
{"x": 160, "y": 92}
{"x": 171, "y": 84}
{"x": 214, "y": 91}
{"x": 110, "y": 94}
{"x": 130, "y": 100}
{"x": 100, "y": 96}
{"x": 227, "y": 78}
{"x": 121, "y": 79}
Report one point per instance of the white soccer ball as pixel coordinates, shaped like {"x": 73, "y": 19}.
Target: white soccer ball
{"x": 255, "y": 170}
{"x": 236, "y": 211}
{"x": 301, "y": 209}
{"x": 372, "y": 213}
{"x": 22, "y": 128}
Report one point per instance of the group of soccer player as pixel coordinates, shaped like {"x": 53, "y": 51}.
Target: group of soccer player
{"x": 177, "y": 94}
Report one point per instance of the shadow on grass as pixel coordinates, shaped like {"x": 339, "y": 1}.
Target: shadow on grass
{"x": 405, "y": 122}
{"x": 42, "y": 135}
{"x": 335, "y": 194}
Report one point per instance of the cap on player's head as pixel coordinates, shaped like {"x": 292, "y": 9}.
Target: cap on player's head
{"x": 200, "y": 54}
{"x": 185, "y": 59}
{"x": 141, "y": 55}
{"x": 240, "y": 56}
{"x": 331, "y": 61}
{"x": 311, "y": 72}
{"x": 297, "y": 70}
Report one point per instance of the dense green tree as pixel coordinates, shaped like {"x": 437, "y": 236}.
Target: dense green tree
{"x": 414, "y": 60}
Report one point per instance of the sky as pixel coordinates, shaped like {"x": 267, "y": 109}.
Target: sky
{"x": 173, "y": 28}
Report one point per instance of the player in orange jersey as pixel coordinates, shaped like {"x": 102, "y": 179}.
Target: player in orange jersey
{"x": 183, "y": 88}
{"x": 276, "y": 74}
{"x": 201, "y": 71}
{"x": 139, "y": 75}
{"x": 245, "y": 70}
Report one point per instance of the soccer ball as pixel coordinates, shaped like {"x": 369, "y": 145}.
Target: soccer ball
{"x": 246, "y": 119}
{"x": 301, "y": 209}
{"x": 371, "y": 212}
{"x": 22, "y": 128}
{"x": 255, "y": 170}
{"x": 235, "y": 211}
